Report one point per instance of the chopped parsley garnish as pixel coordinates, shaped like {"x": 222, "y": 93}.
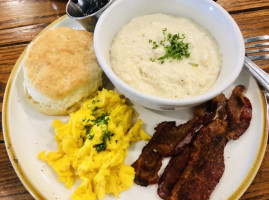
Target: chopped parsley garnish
{"x": 193, "y": 64}
{"x": 152, "y": 60}
{"x": 94, "y": 110}
{"x": 118, "y": 123}
{"x": 102, "y": 146}
{"x": 102, "y": 119}
{"x": 88, "y": 129}
{"x": 90, "y": 137}
{"x": 174, "y": 46}
{"x": 106, "y": 134}
{"x": 155, "y": 45}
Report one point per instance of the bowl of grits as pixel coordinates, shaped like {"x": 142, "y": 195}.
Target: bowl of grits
{"x": 168, "y": 55}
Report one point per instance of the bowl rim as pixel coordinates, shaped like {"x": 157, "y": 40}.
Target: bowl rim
{"x": 168, "y": 101}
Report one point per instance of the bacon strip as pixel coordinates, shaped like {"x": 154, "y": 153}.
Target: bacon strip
{"x": 172, "y": 172}
{"x": 166, "y": 137}
{"x": 170, "y": 139}
{"x": 205, "y": 166}
{"x": 239, "y": 113}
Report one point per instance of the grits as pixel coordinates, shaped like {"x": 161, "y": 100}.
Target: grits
{"x": 131, "y": 56}
{"x": 93, "y": 146}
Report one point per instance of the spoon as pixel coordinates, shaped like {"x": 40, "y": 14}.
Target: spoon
{"x": 86, "y": 12}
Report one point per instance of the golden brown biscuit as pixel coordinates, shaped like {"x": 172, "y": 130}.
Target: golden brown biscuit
{"x": 60, "y": 70}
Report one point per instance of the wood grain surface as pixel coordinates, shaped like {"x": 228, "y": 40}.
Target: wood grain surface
{"x": 22, "y": 20}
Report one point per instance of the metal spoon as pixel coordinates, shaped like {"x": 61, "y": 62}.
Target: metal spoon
{"x": 86, "y": 12}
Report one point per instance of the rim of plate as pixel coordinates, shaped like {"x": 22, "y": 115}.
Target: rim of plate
{"x": 38, "y": 195}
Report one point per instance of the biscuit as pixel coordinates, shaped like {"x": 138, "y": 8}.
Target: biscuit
{"x": 61, "y": 70}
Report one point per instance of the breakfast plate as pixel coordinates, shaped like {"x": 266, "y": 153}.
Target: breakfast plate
{"x": 28, "y": 132}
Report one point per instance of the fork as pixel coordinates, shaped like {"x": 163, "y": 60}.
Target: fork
{"x": 260, "y": 75}
{"x": 264, "y": 44}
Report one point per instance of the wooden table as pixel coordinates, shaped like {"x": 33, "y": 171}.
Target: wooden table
{"x": 21, "y": 20}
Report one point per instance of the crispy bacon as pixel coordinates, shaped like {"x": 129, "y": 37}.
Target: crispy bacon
{"x": 239, "y": 113}
{"x": 196, "y": 147}
{"x": 170, "y": 139}
{"x": 205, "y": 166}
{"x": 172, "y": 172}
{"x": 166, "y": 137}
{"x": 212, "y": 108}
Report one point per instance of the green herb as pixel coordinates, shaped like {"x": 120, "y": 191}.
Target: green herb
{"x": 155, "y": 150}
{"x": 100, "y": 147}
{"x": 155, "y": 45}
{"x": 94, "y": 111}
{"x": 193, "y": 64}
{"x": 88, "y": 129}
{"x": 152, "y": 60}
{"x": 174, "y": 46}
{"x": 90, "y": 137}
{"x": 102, "y": 119}
{"x": 107, "y": 134}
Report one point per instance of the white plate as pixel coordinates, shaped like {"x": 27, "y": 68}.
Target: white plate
{"x": 27, "y": 132}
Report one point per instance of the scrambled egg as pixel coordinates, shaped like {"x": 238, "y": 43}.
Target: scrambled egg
{"x": 93, "y": 146}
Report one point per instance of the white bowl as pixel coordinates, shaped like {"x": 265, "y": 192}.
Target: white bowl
{"x": 207, "y": 13}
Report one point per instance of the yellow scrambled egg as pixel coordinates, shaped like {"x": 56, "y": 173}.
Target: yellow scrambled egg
{"x": 93, "y": 146}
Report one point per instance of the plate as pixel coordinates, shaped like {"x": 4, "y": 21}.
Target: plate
{"x": 28, "y": 132}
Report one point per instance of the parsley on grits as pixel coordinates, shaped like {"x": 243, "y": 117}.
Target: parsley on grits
{"x": 93, "y": 146}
